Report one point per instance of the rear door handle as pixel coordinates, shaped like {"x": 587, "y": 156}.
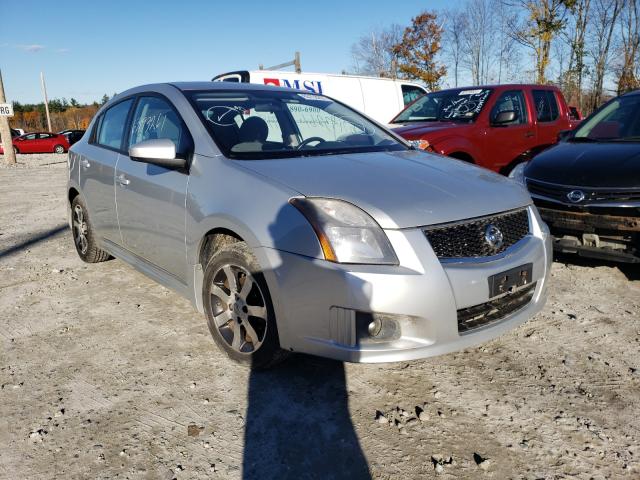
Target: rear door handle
{"x": 122, "y": 180}
{"x": 85, "y": 163}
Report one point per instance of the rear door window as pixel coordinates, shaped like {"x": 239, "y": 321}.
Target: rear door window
{"x": 546, "y": 105}
{"x": 112, "y": 124}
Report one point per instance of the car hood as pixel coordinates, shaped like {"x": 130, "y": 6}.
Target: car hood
{"x": 409, "y": 130}
{"x": 398, "y": 189}
{"x": 606, "y": 164}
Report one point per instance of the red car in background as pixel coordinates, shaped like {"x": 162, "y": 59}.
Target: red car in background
{"x": 496, "y": 126}
{"x": 40, "y": 142}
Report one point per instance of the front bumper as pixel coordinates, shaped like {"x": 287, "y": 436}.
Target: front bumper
{"x": 610, "y": 235}
{"x": 315, "y": 301}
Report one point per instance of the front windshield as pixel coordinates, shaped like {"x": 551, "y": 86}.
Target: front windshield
{"x": 617, "y": 121}
{"x": 263, "y": 124}
{"x": 462, "y": 105}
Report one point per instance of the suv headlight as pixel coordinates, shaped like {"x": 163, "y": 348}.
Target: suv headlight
{"x": 346, "y": 233}
{"x": 517, "y": 173}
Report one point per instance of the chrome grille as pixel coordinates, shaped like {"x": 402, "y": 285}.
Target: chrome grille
{"x": 494, "y": 310}
{"x": 466, "y": 239}
{"x": 591, "y": 195}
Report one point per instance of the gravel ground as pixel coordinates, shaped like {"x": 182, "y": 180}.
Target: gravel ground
{"x": 105, "y": 374}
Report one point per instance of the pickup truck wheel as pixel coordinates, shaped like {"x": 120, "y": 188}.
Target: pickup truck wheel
{"x": 58, "y": 149}
{"x": 238, "y": 308}
{"x": 83, "y": 236}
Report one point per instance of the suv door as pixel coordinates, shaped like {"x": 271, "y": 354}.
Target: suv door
{"x": 549, "y": 120}
{"x": 98, "y": 166}
{"x": 506, "y": 142}
{"x": 151, "y": 199}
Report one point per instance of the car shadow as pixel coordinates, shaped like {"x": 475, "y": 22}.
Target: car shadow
{"x": 298, "y": 423}
{"x": 630, "y": 270}
{"x": 33, "y": 239}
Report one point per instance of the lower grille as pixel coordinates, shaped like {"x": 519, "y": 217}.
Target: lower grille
{"x": 494, "y": 310}
{"x": 467, "y": 239}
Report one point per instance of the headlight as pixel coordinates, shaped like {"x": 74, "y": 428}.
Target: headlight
{"x": 517, "y": 173}
{"x": 346, "y": 233}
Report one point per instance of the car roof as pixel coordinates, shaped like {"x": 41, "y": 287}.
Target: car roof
{"x": 504, "y": 86}
{"x": 206, "y": 85}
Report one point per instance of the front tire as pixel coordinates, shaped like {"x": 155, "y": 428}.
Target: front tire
{"x": 58, "y": 149}
{"x": 238, "y": 307}
{"x": 83, "y": 234}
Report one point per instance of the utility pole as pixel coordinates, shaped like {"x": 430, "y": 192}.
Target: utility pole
{"x": 5, "y": 131}
{"x": 46, "y": 100}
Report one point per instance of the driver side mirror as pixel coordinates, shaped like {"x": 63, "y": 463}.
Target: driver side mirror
{"x": 157, "y": 151}
{"x": 564, "y": 135}
{"x": 505, "y": 117}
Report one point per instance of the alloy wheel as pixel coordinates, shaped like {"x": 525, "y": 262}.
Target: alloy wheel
{"x": 80, "y": 230}
{"x": 239, "y": 309}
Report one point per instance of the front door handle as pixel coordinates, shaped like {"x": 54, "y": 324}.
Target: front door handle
{"x": 122, "y": 180}
{"x": 529, "y": 134}
{"x": 85, "y": 163}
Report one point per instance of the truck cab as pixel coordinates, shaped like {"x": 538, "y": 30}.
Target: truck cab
{"x": 496, "y": 127}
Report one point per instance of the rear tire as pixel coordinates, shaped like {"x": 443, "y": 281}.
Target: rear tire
{"x": 58, "y": 149}
{"x": 83, "y": 234}
{"x": 239, "y": 314}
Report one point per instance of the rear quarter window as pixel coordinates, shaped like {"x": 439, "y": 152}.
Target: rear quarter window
{"x": 110, "y": 130}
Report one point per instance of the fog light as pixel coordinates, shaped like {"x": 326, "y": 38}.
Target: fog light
{"x": 377, "y": 327}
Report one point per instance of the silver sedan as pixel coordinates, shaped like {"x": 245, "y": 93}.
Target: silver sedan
{"x": 296, "y": 224}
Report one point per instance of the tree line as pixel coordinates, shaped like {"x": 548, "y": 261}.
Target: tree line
{"x": 65, "y": 114}
{"x": 589, "y": 48}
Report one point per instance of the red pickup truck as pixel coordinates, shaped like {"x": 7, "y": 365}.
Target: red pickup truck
{"x": 496, "y": 127}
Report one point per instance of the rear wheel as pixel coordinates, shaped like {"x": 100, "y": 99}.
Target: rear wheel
{"x": 58, "y": 149}
{"x": 238, "y": 308}
{"x": 83, "y": 235}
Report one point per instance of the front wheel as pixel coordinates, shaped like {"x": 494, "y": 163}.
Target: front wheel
{"x": 58, "y": 149}
{"x": 238, "y": 308}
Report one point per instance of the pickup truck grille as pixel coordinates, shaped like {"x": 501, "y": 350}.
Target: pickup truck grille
{"x": 495, "y": 310}
{"x": 466, "y": 239}
{"x": 592, "y": 195}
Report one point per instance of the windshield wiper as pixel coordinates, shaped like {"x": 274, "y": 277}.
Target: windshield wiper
{"x": 581, "y": 140}
{"x": 626, "y": 139}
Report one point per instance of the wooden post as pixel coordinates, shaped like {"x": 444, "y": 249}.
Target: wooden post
{"x": 5, "y": 131}
{"x": 46, "y": 100}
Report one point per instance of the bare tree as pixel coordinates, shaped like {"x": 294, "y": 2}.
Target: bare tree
{"x": 505, "y": 44}
{"x": 630, "y": 38}
{"x": 455, "y": 32}
{"x": 479, "y": 39}
{"x": 577, "y": 31}
{"x": 373, "y": 53}
{"x": 605, "y": 15}
{"x": 543, "y": 21}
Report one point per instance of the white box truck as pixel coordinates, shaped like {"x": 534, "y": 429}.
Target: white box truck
{"x": 379, "y": 98}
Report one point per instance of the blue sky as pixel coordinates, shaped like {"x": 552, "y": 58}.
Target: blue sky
{"x": 88, "y": 48}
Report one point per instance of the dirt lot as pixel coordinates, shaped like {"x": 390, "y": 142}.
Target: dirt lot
{"x": 104, "y": 374}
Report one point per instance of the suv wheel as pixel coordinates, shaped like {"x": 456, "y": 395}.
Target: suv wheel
{"x": 238, "y": 308}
